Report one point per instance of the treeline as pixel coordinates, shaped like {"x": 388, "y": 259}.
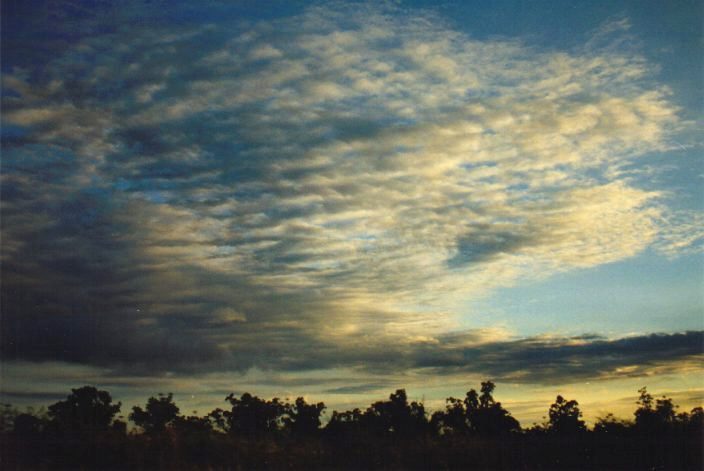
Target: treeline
{"x": 85, "y": 431}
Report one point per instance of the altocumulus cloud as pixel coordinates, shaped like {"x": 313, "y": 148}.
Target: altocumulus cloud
{"x": 286, "y": 193}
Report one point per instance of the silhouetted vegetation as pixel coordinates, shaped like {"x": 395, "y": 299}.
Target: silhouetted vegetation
{"x": 85, "y": 432}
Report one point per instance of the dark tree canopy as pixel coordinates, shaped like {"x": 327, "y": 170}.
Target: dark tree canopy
{"x": 344, "y": 423}
{"x": 653, "y": 415}
{"x": 565, "y": 417}
{"x": 160, "y": 412}
{"x": 85, "y": 410}
{"x": 27, "y": 425}
{"x": 489, "y": 417}
{"x": 251, "y": 416}
{"x": 471, "y": 433}
{"x": 453, "y": 420}
{"x": 303, "y": 418}
{"x": 396, "y": 416}
{"x": 478, "y": 414}
{"x": 612, "y": 425}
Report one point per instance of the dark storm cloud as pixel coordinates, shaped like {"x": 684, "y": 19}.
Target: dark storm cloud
{"x": 557, "y": 360}
{"x": 554, "y": 360}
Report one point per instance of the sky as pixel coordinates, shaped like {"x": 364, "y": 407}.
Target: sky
{"x": 338, "y": 199}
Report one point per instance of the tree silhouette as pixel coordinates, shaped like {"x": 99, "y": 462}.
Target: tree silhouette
{"x": 478, "y": 413}
{"x": 27, "y": 425}
{"x": 85, "y": 411}
{"x": 7, "y": 417}
{"x": 396, "y": 416}
{"x": 160, "y": 412}
{"x": 453, "y": 420}
{"x": 565, "y": 417}
{"x": 475, "y": 432}
{"x": 80, "y": 431}
{"x": 193, "y": 438}
{"x": 251, "y": 416}
{"x": 303, "y": 418}
{"x": 654, "y": 416}
{"x": 485, "y": 415}
{"x": 344, "y": 424}
{"x": 695, "y": 421}
{"x": 609, "y": 424}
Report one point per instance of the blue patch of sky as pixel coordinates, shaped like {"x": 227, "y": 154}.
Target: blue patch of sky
{"x": 288, "y": 212}
{"x": 340, "y": 223}
{"x": 645, "y": 294}
{"x": 85, "y": 208}
{"x": 12, "y": 131}
{"x": 366, "y": 237}
{"x": 224, "y": 250}
{"x": 49, "y": 162}
{"x": 157, "y": 197}
{"x": 473, "y": 165}
{"x": 518, "y": 188}
{"x": 247, "y": 194}
{"x": 9, "y": 92}
{"x": 163, "y": 186}
{"x": 214, "y": 11}
{"x": 680, "y": 171}
{"x": 472, "y": 93}
{"x": 122, "y": 185}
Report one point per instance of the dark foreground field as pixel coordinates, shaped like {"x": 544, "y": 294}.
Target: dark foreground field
{"x": 475, "y": 432}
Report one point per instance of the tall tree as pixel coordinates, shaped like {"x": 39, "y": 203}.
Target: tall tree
{"x": 160, "y": 412}
{"x": 452, "y": 420}
{"x": 485, "y": 416}
{"x": 303, "y": 418}
{"x": 396, "y": 416}
{"x": 86, "y": 410}
{"x": 565, "y": 417}
{"x": 253, "y": 417}
{"x": 654, "y": 415}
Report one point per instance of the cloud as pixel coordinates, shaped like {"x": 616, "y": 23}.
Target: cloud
{"x": 556, "y": 360}
{"x": 357, "y": 389}
{"x": 225, "y": 196}
{"x": 445, "y": 366}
